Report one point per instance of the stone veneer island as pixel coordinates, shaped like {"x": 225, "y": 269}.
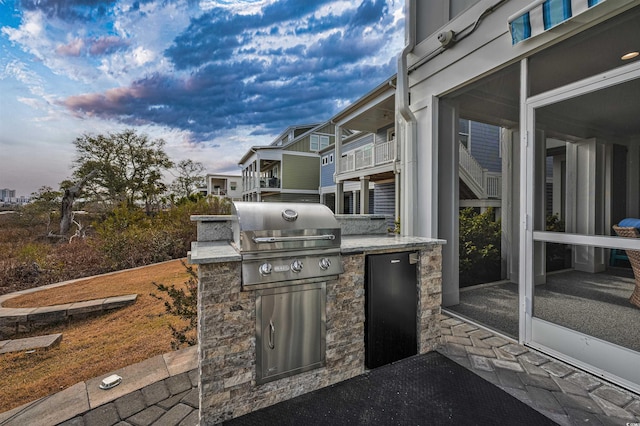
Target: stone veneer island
{"x": 227, "y": 316}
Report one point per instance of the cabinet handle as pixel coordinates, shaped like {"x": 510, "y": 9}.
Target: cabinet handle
{"x": 272, "y": 333}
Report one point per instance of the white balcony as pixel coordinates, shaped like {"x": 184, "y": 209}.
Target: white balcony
{"x": 367, "y": 156}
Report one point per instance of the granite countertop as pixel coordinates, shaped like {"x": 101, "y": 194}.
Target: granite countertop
{"x": 222, "y": 251}
{"x": 352, "y": 244}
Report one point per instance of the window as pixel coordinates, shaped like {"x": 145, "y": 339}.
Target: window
{"x": 325, "y": 160}
{"x": 318, "y": 142}
{"x": 464, "y": 134}
{"x": 232, "y": 186}
{"x": 391, "y": 134}
{"x": 331, "y": 158}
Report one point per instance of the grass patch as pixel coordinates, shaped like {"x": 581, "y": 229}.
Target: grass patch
{"x": 92, "y": 347}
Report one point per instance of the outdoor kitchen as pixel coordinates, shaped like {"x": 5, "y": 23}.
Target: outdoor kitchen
{"x": 286, "y": 302}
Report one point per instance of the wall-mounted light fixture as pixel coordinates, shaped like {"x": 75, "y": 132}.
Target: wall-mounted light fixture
{"x": 629, "y": 55}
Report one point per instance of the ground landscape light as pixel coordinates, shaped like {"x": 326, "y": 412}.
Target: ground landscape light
{"x": 629, "y": 55}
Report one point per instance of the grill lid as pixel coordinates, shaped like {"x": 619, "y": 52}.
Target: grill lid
{"x": 284, "y": 226}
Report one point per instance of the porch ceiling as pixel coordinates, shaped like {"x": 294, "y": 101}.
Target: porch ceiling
{"x": 495, "y": 99}
{"x": 374, "y": 118}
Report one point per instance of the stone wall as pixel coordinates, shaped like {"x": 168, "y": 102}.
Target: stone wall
{"x": 227, "y": 342}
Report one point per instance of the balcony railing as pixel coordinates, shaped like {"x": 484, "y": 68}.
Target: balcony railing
{"x": 487, "y": 184}
{"x": 367, "y": 156}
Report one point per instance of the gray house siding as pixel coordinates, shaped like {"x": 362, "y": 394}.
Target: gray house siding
{"x": 367, "y": 139}
{"x": 381, "y": 134}
{"x": 485, "y": 145}
{"x": 327, "y": 170}
{"x": 385, "y": 201}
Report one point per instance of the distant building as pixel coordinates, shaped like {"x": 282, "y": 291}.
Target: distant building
{"x": 229, "y": 186}
{"x": 7, "y": 195}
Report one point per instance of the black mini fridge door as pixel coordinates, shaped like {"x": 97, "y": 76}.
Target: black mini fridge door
{"x": 391, "y": 308}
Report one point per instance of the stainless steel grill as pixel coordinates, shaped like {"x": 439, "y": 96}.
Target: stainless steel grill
{"x": 289, "y": 252}
{"x": 286, "y": 243}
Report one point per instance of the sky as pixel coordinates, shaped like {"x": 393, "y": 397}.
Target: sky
{"x": 211, "y": 78}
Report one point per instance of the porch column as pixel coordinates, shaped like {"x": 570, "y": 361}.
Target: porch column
{"x": 633, "y": 179}
{"x": 354, "y": 202}
{"x": 339, "y": 198}
{"x": 364, "y": 195}
{"x": 587, "y": 182}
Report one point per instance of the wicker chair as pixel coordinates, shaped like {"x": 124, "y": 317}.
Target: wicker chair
{"x": 634, "y": 259}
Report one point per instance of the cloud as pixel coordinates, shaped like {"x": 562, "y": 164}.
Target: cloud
{"x": 288, "y": 63}
{"x": 70, "y": 10}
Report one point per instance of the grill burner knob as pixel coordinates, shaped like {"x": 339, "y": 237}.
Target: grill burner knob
{"x": 296, "y": 266}
{"x": 324, "y": 263}
{"x": 265, "y": 269}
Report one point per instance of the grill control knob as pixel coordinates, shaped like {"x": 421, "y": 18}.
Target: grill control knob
{"x": 296, "y": 266}
{"x": 265, "y": 269}
{"x": 324, "y": 263}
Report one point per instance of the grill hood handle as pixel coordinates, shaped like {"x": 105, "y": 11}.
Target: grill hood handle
{"x": 259, "y": 240}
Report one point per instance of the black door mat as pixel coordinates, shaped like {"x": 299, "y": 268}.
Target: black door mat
{"x": 425, "y": 389}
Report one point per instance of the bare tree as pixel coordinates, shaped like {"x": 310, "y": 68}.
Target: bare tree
{"x": 190, "y": 177}
{"x": 70, "y": 194}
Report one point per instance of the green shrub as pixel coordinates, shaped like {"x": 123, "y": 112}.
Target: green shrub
{"x": 183, "y": 304}
{"x": 479, "y": 247}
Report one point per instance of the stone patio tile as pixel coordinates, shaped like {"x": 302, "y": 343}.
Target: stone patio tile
{"x": 539, "y": 382}
{"x": 134, "y": 377}
{"x": 569, "y": 387}
{"x": 146, "y": 417}
{"x": 480, "y": 363}
{"x": 76, "y": 421}
{"x": 613, "y": 410}
{"x": 182, "y": 361}
{"x": 85, "y": 307}
{"x": 53, "y": 409}
{"x": 462, "y": 329}
{"x": 455, "y": 349}
{"x": 49, "y": 313}
{"x": 119, "y": 301}
{"x": 507, "y": 365}
{"x": 634, "y": 407}
{"x": 579, "y": 417}
{"x": 534, "y": 358}
{"x": 505, "y": 356}
{"x": 533, "y": 369}
{"x": 130, "y": 404}
{"x": 579, "y": 402}
{"x": 480, "y": 334}
{"x": 194, "y": 376}
{"x": 556, "y": 369}
{"x": 485, "y": 352}
{"x": 479, "y": 343}
{"x": 178, "y": 384}
{"x": 584, "y": 380}
{"x": 29, "y": 343}
{"x": 545, "y": 400}
{"x": 515, "y": 349}
{"x": 155, "y": 393}
{"x": 191, "y": 398}
{"x": 450, "y": 322}
{"x": 105, "y": 415}
{"x": 613, "y": 395}
{"x": 191, "y": 420}
{"x": 166, "y": 404}
{"x": 446, "y": 331}
{"x": 459, "y": 340}
{"x": 174, "y": 415}
{"x": 495, "y": 341}
{"x": 613, "y": 421}
{"x": 509, "y": 378}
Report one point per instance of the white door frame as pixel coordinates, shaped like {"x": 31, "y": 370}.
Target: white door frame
{"x": 610, "y": 361}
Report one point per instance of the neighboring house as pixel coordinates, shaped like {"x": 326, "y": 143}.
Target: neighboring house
{"x": 229, "y": 186}
{"x": 368, "y": 170}
{"x": 561, "y": 82}
{"x": 358, "y": 174}
{"x": 289, "y": 168}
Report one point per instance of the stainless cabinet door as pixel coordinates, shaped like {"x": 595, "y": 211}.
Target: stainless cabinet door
{"x": 290, "y": 334}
